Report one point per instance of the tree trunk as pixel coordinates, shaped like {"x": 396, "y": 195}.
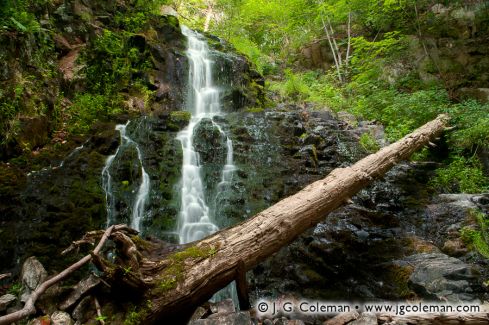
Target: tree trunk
{"x": 184, "y": 280}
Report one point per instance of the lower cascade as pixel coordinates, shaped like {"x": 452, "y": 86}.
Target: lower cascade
{"x": 195, "y": 218}
{"x": 141, "y": 197}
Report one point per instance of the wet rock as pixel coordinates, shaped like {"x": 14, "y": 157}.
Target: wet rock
{"x": 49, "y": 300}
{"x": 34, "y": 132}
{"x": 198, "y": 313}
{"x": 61, "y": 318}
{"x": 294, "y": 322}
{"x": 6, "y": 301}
{"x": 439, "y": 9}
{"x": 240, "y": 318}
{"x": 365, "y": 319}
{"x": 342, "y": 318}
{"x": 210, "y": 143}
{"x": 79, "y": 290}
{"x": 32, "y": 275}
{"x": 454, "y": 247}
{"x": 280, "y": 321}
{"x": 438, "y": 276}
{"x": 84, "y": 310}
{"x": 448, "y": 213}
{"x": 222, "y": 307}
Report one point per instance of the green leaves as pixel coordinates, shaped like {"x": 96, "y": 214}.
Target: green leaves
{"x": 463, "y": 175}
{"x": 471, "y": 120}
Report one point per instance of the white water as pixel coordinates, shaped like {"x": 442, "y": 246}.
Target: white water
{"x": 143, "y": 191}
{"x": 74, "y": 152}
{"x": 195, "y": 221}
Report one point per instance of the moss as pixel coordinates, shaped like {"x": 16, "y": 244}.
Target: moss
{"x": 256, "y": 109}
{"x": 476, "y": 239}
{"x": 313, "y": 276}
{"x": 398, "y": 276}
{"x": 178, "y": 120}
{"x": 173, "y": 273}
{"x": 315, "y": 156}
{"x": 137, "y": 316}
{"x": 141, "y": 243}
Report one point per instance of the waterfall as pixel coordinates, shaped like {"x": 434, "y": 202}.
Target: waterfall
{"x": 195, "y": 221}
{"x": 107, "y": 182}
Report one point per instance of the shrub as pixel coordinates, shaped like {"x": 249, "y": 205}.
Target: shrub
{"x": 477, "y": 238}
{"x": 461, "y": 175}
{"x": 368, "y": 142}
{"x": 88, "y": 108}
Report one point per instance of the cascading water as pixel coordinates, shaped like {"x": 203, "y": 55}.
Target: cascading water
{"x": 195, "y": 221}
{"x": 143, "y": 190}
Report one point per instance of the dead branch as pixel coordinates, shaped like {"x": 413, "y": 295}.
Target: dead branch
{"x": 4, "y": 276}
{"x": 29, "y": 307}
{"x": 337, "y": 64}
{"x": 99, "y": 312}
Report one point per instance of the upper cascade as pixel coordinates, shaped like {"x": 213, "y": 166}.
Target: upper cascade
{"x": 195, "y": 219}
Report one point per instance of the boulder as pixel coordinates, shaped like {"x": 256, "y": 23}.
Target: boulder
{"x": 223, "y": 307}
{"x": 240, "y": 318}
{"x": 342, "y": 318}
{"x": 198, "y": 313}
{"x": 295, "y": 322}
{"x": 6, "y": 301}
{"x": 365, "y": 319}
{"x": 439, "y": 9}
{"x": 447, "y": 215}
{"x": 454, "y": 247}
{"x": 438, "y": 276}
{"x": 61, "y": 318}
{"x": 79, "y": 290}
{"x": 84, "y": 310}
{"x": 32, "y": 275}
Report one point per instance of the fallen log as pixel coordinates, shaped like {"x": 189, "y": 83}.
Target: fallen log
{"x": 192, "y": 276}
{"x": 169, "y": 286}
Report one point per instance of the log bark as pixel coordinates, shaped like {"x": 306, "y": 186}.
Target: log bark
{"x": 249, "y": 243}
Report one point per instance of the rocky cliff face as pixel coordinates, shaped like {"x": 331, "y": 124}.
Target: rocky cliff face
{"x": 50, "y": 178}
{"x": 450, "y": 48}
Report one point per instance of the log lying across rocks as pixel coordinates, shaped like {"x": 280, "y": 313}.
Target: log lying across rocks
{"x": 191, "y": 278}
{"x": 168, "y": 286}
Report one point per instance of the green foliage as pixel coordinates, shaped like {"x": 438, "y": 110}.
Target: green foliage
{"x": 461, "y": 175}
{"x": 15, "y": 289}
{"x": 472, "y": 121}
{"x": 400, "y": 112}
{"x": 101, "y": 318}
{"x": 174, "y": 271}
{"x": 294, "y": 86}
{"x": 136, "y": 316}
{"x": 254, "y": 54}
{"x": 88, "y": 108}
{"x": 312, "y": 86}
{"x": 112, "y": 61}
{"x": 369, "y": 58}
{"x": 368, "y": 142}
{"x": 17, "y": 15}
{"x": 477, "y": 239}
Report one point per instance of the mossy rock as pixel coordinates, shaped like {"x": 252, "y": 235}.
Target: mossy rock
{"x": 178, "y": 120}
